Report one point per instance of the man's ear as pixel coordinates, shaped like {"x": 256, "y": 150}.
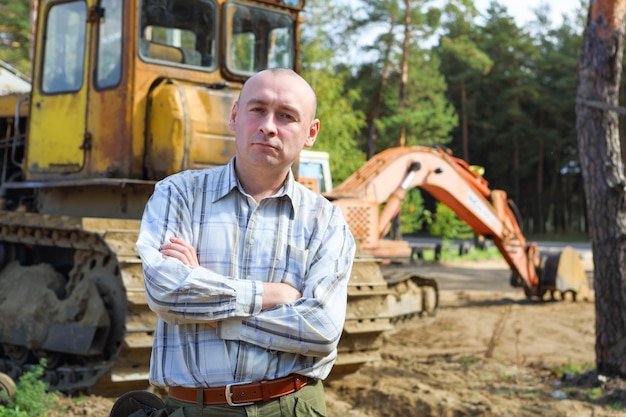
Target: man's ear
{"x": 233, "y": 116}
{"x": 314, "y": 129}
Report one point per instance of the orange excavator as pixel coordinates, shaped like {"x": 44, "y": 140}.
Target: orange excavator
{"x": 385, "y": 179}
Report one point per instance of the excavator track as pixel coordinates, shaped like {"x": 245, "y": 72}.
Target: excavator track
{"x": 366, "y": 316}
{"x": 377, "y": 299}
{"x": 411, "y": 295}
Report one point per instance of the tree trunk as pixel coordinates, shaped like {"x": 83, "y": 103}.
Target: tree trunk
{"x": 396, "y": 232}
{"x": 599, "y": 73}
{"x": 539, "y": 223}
{"x": 371, "y": 141}
{"x": 404, "y": 76}
{"x": 516, "y": 150}
{"x": 464, "y": 124}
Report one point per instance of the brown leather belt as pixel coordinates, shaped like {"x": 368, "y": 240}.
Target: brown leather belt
{"x": 241, "y": 393}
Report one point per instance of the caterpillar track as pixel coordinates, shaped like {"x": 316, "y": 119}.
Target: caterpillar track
{"x": 83, "y": 309}
{"x": 377, "y": 299}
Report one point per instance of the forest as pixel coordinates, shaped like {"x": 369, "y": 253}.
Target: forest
{"x": 401, "y": 73}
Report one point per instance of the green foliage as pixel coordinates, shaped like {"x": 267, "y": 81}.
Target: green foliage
{"x": 413, "y": 214}
{"x": 402, "y": 95}
{"x": 428, "y": 117}
{"x": 340, "y": 122}
{"x": 31, "y": 396}
{"x": 447, "y": 225}
{"x": 14, "y": 34}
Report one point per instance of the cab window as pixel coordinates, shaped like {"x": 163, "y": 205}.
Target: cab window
{"x": 258, "y": 39}
{"x": 109, "y": 69}
{"x": 179, "y": 32}
{"x": 64, "y": 50}
{"x": 314, "y": 171}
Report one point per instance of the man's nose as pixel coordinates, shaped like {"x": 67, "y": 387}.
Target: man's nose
{"x": 268, "y": 125}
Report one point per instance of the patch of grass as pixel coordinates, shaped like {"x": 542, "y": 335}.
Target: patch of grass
{"x": 530, "y": 394}
{"x": 581, "y": 381}
{"x": 509, "y": 377}
{"x": 476, "y": 254}
{"x": 574, "y": 369}
{"x": 507, "y": 390}
{"x": 32, "y": 398}
{"x": 467, "y": 362}
{"x": 558, "y": 237}
{"x": 452, "y": 253}
{"x": 595, "y": 393}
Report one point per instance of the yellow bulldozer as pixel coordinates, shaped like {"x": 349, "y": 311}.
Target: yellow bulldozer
{"x": 122, "y": 94}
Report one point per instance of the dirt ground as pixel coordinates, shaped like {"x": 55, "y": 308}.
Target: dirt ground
{"x": 487, "y": 352}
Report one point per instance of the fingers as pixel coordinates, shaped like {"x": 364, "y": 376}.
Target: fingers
{"x": 181, "y": 250}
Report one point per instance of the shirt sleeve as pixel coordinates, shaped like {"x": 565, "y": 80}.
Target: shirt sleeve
{"x": 312, "y": 325}
{"x": 178, "y": 293}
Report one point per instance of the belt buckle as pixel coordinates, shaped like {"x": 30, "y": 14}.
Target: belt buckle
{"x": 228, "y": 394}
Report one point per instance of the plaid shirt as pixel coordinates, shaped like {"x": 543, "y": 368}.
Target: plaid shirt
{"x": 295, "y": 236}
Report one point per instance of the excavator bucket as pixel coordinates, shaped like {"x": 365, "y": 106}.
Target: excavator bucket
{"x": 563, "y": 273}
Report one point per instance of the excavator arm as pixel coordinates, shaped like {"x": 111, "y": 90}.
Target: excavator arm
{"x": 386, "y": 178}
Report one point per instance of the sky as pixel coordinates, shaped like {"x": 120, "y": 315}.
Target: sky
{"x": 521, "y": 10}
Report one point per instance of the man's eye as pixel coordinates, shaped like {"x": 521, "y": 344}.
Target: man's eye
{"x": 287, "y": 116}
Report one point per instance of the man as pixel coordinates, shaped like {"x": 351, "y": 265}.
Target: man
{"x": 246, "y": 269}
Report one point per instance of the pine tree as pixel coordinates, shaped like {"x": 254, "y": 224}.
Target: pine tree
{"x": 599, "y": 75}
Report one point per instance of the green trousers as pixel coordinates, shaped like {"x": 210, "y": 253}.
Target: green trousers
{"x": 308, "y": 402}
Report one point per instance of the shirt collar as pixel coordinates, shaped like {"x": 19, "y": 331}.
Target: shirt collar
{"x": 228, "y": 182}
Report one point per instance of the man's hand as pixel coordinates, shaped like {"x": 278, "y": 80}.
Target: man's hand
{"x": 181, "y": 250}
{"x": 275, "y": 293}
{"x": 184, "y": 252}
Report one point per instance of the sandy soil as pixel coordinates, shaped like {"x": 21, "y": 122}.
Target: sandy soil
{"x": 487, "y": 352}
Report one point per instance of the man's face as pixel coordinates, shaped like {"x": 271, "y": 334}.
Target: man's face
{"x": 273, "y": 120}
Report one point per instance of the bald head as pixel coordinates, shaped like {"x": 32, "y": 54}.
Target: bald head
{"x": 285, "y": 75}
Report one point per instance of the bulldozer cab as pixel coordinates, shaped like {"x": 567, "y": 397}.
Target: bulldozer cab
{"x": 141, "y": 89}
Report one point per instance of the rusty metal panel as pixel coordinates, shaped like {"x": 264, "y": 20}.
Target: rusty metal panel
{"x": 188, "y": 128}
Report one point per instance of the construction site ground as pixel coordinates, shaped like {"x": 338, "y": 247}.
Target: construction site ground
{"x": 487, "y": 352}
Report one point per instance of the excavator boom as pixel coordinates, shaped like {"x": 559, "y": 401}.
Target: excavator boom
{"x": 387, "y": 176}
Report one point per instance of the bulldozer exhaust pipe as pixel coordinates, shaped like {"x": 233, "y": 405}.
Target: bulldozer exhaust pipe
{"x": 562, "y": 273}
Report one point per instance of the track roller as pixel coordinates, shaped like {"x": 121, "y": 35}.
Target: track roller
{"x": 7, "y": 388}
